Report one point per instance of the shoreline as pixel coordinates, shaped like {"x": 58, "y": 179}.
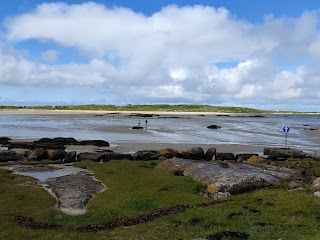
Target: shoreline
{"x": 70, "y": 112}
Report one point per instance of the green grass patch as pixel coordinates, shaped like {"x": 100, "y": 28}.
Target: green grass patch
{"x": 136, "y": 188}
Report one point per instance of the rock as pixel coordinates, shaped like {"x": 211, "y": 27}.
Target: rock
{"x": 4, "y": 140}
{"x": 294, "y": 185}
{"x": 48, "y": 145}
{"x": 210, "y": 154}
{"x": 255, "y": 160}
{"x": 213, "y": 127}
{"x": 116, "y": 156}
{"x": 137, "y": 127}
{"x": 56, "y": 154}
{"x": 26, "y": 145}
{"x": 8, "y": 155}
{"x": 306, "y": 176}
{"x": 168, "y": 153}
{"x": 316, "y": 184}
{"x": 224, "y": 156}
{"x": 60, "y": 140}
{"x": 98, "y": 143}
{"x": 93, "y": 156}
{"x": 244, "y": 156}
{"x": 317, "y": 194}
{"x": 240, "y": 178}
{"x": 145, "y": 155}
{"x": 142, "y": 115}
{"x": 70, "y": 157}
{"x": 195, "y": 153}
{"x": 37, "y": 155}
{"x": 283, "y": 153}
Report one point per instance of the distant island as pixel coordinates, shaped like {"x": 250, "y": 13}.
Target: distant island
{"x": 153, "y": 107}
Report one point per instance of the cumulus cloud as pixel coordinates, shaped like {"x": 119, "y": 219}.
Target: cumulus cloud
{"x": 172, "y": 55}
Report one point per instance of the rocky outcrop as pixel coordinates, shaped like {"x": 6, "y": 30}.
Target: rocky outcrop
{"x": 37, "y": 155}
{"x": 8, "y": 155}
{"x": 137, "y": 127}
{"x": 116, "y": 156}
{"x": 98, "y": 143}
{"x": 168, "y": 153}
{"x": 244, "y": 156}
{"x": 4, "y": 140}
{"x": 195, "y": 153}
{"x": 55, "y": 154}
{"x": 284, "y": 153}
{"x": 241, "y": 177}
{"x": 213, "y": 127}
{"x": 70, "y": 157}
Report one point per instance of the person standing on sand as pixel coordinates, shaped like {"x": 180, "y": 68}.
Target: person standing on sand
{"x": 146, "y": 124}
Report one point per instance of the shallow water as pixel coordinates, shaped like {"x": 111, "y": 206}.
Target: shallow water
{"x": 266, "y": 131}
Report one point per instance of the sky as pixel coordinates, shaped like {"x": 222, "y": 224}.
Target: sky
{"x": 249, "y": 53}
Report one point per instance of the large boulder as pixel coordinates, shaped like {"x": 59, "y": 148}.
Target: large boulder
{"x": 8, "y": 155}
{"x": 93, "y": 156}
{"x": 56, "y": 154}
{"x": 210, "y": 154}
{"x": 244, "y": 156}
{"x": 145, "y": 155}
{"x": 70, "y": 157}
{"x": 281, "y": 153}
{"x": 116, "y": 156}
{"x": 4, "y": 140}
{"x": 224, "y": 156}
{"x": 195, "y": 153}
{"x": 37, "y": 155}
{"x": 316, "y": 184}
{"x": 168, "y": 153}
{"x": 98, "y": 143}
{"x": 25, "y": 145}
{"x": 241, "y": 177}
{"x": 60, "y": 140}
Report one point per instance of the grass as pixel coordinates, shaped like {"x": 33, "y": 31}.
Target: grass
{"x": 135, "y": 188}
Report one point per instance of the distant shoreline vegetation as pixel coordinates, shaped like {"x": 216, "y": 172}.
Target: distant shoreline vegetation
{"x": 153, "y": 107}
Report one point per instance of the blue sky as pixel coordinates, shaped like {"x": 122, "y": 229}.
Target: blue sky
{"x": 261, "y": 54}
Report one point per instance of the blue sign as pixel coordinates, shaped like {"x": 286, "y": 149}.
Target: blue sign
{"x": 286, "y": 129}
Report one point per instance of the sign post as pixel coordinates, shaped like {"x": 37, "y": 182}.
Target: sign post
{"x": 286, "y": 130}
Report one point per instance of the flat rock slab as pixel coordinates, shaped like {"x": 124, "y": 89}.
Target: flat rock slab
{"x": 73, "y": 192}
{"x": 235, "y": 178}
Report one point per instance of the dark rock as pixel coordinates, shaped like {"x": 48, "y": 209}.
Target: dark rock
{"x": 8, "y": 155}
{"x": 56, "y": 154}
{"x": 244, "y": 156}
{"x": 60, "y": 140}
{"x": 37, "y": 155}
{"x": 48, "y": 145}
{"x": 168, "y": 153}
{"x": 224, "y": 156}
{"x": 26, "y": 145}
{"x": 70, "y": 157}
{"x": 142, "y": 115}
{"x": 96, "y": 157}
{"x": 98, "y": 143}
{"x": 313, "y": 129}
{"x": 137, "y": 127}
{"x": 145, "y": 155}
{"x": 275, "y": 153}
{"x": 228, "y": 235}
{"x": 210, "y": 154}
{"x": 116, "y": 156}
{"x": 213, "y": 127}
{"x": 195, "y": 153}
{"x": 4, "y": 140}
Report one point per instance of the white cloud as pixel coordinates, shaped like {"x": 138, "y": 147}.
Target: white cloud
{"x": 172, "y": 55}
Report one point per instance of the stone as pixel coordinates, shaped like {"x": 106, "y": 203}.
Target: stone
{"x": 145, "y": 155}
{"x": 317, "y": 194}
{"x": 48, "y": 145}
{"x": 59, "y": 140}
{"x": 8, "y": 155}
{"x": 98, "y": 143}
{"x": 137, "y": 127}
{"x": 26, "y": 145}
{"x": 116, "y": 156}
{"x": 4, "y": 140}
{"x": 316, "y": 184}
{"x": 244, "y": 156}
{"x": 37, "y": 155}
{"x": 293, "y": 185}
{"x": 213, "y": 127}
{"x": 255, "y": 160}
{"x": 224, "y": 156}
{"x": 275, "y": 153}
{"x": 70, "y": 157}
{"x": 195, "y": 153}
{"x": 56, "y": 154}
{"x": 93, "y": 156}
{"x": 168, "y": 153}
{"x": 242, "y": 177}
{"x": 210, "y": 154}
